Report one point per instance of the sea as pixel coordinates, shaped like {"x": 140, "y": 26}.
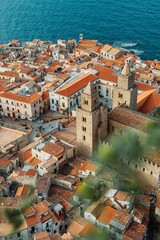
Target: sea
{"x": 131, "y": 24}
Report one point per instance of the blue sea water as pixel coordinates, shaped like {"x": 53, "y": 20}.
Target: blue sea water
{"x": 132, "y": 24}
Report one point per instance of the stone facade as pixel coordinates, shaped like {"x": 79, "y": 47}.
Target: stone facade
{"x": 91, "y": 122}
{"x": 126, "y": 92}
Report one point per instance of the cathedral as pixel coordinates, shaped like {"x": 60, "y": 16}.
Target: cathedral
{"x": 93, "y": 117}
{"x": 95, "y": 123}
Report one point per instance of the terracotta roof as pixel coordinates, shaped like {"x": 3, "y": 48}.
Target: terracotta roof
{"x": 14, "y": 41}
{"x": 152, "y": 102}
{"x": 78, "y": 84}
{"x": 45, "y": 95}
{"x": 41, "y": 208}
{"x": 10, "y": 74}
{"x": 42, "y": 236}
{"x": 107, "y": 215}
{"x": 88, "y": 165}
{"x": 122, "y": 196}
{"x": 114, "y": 51}
{"x": 105, "y": 73}
{"x": 141, "y": 98}
{"x": 75, "y": 228}
{"x": 33, "y": 161}
{"x": 135, "y": 231}
{"x": 27, "y": 99}
{"x": 122, "y": 217}
{"x": 106, "y": 47}
{"x": 53, "y": 149}
{"x": 129, "y": 118}
{"x": 32, "y": 220}
{"x": 89, "y": 229}
{"x": 31, "y": 173}
{"x": 29, "y": 211}
{"x": 4, "y": 162}
{"x": 23, "y": 191}
{"x": 144, "y": 87}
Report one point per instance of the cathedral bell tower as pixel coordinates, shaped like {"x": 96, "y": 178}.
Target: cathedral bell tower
{"x": 126, "y": 91}
{"x": 92, "y": 120}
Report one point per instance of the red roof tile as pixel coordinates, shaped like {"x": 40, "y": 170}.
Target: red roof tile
{"x": 78, "y": 84}
{"x": 105, "y": 73}
{"x": 152, "y": 102}
{"x": 27, "y": 99}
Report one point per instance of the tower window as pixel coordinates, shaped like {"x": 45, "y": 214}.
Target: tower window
{"x": 84, "y": 119}
{"x": 120, "y": 95}
{"x": 85, "y": 102}
{"x": 83, "y": 137}
{"x": 84, "y": 129}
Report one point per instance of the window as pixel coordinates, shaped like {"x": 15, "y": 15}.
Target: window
{"x": 25, "y": 106}
{"x": 107, "y": 92}
{"x": 84, "y": 119}
{"x": 112, "y": 128}
{"x": 7, "y": 108}
{"x": 120, "y": 95}
{"x": 84, "y": 129}
{"x": 63, "y": 104}
{"x": 151, "y": 172}
{"x": 18, "y": 234}
{"x": 53, "y": 101}
{"x": 12, "y": 102}
{"x": 85, "y": 102}
{"x": 6, "y": 101}
{"x": 83, "y": 138}
{"x": 99, "y": 87}
{"x": 143, "y": 169}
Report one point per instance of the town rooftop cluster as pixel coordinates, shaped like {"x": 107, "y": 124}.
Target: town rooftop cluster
{"x": 57, "y": 100}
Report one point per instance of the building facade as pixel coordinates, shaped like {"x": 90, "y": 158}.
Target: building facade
{"x": 91, "y": 122}
{"x": 126, "y": 90}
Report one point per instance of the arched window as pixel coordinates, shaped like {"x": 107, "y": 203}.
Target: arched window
{"x": 151, "y": 172}
{"x": 143, "y": 169}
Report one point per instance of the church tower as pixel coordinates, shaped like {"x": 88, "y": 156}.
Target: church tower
{"x": 126, "y": 92}
{"x": 92, "y": 120}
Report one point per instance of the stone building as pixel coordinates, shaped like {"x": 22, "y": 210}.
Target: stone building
{"x": 91, "y": 122}
{"x": 94, "y": 123}
{"x": 126, "y": 90}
